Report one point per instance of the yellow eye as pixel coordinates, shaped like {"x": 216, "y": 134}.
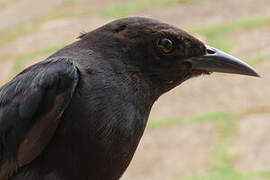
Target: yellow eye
{"x": 165, "y": 45}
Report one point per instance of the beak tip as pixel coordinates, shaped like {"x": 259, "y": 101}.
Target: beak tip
{"x": 253, "y": 72}
{"x": 257, "y": 75}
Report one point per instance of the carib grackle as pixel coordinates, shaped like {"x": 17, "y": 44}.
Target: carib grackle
{"x": 80, "y": 113}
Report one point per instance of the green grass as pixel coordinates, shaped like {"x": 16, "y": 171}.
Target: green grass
{"x": 224, "y": 173}
{"x": 259, "y": 59}
{"x": 213, "y": 116}
{"x": 258, "y": 174}
{"x": 225, "y": 133}
{"x": 125, "y": 9}
{"x": 7, "y": 36}
{"x": 218, "y": 35}
{"x": 5, "y": 3}
{"x": 227, "y": 172}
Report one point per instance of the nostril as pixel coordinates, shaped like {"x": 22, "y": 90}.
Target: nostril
{"x": 210, "y": 51}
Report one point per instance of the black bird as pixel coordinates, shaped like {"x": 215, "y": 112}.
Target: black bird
{"x": 80, "y": 113}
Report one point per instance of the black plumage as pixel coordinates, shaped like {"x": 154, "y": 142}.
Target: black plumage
{"x": 80, "y": 113}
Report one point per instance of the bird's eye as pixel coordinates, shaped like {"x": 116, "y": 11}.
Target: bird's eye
{"x": 165, "y": 45}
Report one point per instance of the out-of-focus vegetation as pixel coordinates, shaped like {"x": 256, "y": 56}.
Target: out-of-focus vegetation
{"x": 125, "y": 9}
{"x": 5, "y": 3}
{"x": 222, "y": 160}
{"x": 218, "y": 35}
{"x": 22, "y": 59}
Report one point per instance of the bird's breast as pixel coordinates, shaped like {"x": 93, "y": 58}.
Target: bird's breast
{"x": 101, "y": 129}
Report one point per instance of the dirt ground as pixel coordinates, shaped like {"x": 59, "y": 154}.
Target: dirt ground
{"x": 252, "y": 146}
{"x": 178, "y": 151}
{"x": 170, "y": 150}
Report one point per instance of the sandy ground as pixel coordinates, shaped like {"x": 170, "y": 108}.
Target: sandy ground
{"x": 172, "y": 150}
{"x": 252, "y": 145}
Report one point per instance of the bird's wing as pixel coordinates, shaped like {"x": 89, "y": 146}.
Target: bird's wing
{"x": 31, "y": 106}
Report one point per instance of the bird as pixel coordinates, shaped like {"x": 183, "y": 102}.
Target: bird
{"x": 81, "y": 112}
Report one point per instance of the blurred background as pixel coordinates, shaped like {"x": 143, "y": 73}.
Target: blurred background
{"x": 210, "y": 128}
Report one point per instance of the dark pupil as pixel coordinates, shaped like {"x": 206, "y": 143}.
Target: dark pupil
{"x": 166, "y": 45}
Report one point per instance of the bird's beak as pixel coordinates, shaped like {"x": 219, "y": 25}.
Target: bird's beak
{"x": 218, "y": 61}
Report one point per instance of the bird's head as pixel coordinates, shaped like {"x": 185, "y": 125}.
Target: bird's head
{"x": 165, "y": 55}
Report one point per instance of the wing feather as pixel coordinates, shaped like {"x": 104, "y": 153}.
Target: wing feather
{"x": 31, "y": 106}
